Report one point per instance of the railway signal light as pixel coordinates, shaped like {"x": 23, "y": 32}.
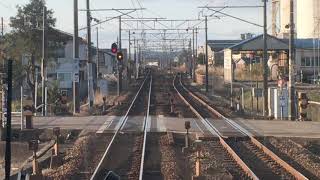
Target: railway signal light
{"x": 119, "y": 56}
{"x": 114, "y": 48}
{"x": 303, "y": 105}
{"x": 187, "y": 125}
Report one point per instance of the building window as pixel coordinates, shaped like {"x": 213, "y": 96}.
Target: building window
{"x": 308, "y": 63}
{"x": 303, "y": 61}
{"x": 64, "y": 76}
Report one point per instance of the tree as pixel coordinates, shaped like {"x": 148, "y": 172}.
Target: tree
{"x": 26, "y": 36}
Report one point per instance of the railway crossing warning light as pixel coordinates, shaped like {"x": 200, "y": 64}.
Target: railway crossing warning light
{"x": 114, "y": 48}
{"x": 119, "y": 56}
{"x": 187, "y": 126}
{"x": 303, "y": 105}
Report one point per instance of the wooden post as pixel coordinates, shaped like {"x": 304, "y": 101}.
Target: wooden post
{"x": 56, "y": 132}
{"x": 198, "y": 164}
{"x": 35, "y": 164}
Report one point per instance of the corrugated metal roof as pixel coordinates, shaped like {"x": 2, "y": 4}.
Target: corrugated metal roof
{"x": 218, "y": 45}
{"x": 306, "y": 43}
{"x": 256, "y": 43}
{"x": 282, "y": 45}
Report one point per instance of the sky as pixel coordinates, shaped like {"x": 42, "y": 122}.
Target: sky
{"x": 223, "y": 28}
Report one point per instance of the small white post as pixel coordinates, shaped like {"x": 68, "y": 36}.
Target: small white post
{"x": 242, "y": 98}
{"x": 36, "y": 91}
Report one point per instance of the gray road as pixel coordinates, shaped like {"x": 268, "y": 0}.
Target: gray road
{"x": 102, "y": 124}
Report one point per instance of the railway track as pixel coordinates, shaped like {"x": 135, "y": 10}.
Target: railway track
{"x": 125, "y": 153}
{"x": 255, "y": 160}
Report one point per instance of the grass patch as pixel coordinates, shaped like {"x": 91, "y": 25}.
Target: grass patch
{"x": 248, "y": 102}
{"x": 314, "y": 96}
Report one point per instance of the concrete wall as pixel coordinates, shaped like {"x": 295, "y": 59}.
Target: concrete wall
{"x": 284, "y": 15}
{"x": 307, "y": 13}
{"x": 82, "y": 50}
{"x": 308, "y": 18}
{"x": 228, "y": 66}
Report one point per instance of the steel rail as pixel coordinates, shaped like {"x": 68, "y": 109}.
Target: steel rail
{"x": 215, "y": 132}
{"x": 146, "y": 124}
{"x": 123, "y": 121}
{"x": 203, "y": 120}
{"x": 235, "y": 125}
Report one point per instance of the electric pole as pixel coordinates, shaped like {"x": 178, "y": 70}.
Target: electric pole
{"x": 44, "y": 59}
{"x": 129, "y": 45}
{"x": 265, "y": 60}
{"x": 97, "y": 52}
{"x": 2, "y": 27}
{"x": 135, "y": 57}
{"x": 291, "y": 85}
{"x": 207, "y": 75}
{"x": 119, "y": 63}
{"x": 129, "y": 60}
{"x": 191, "y": 59}
{"x": 90, "y": 85}
{"x": 8, "y": 122}
{"x": 195, "y": 63}
{"x": 193, "y": 56}
{"x": 76, "y": 80}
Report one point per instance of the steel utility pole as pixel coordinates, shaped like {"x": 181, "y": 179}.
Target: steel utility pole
{"x": 188, "y": 57}
{"x": 43, "y": 61}
{"x": 207, "y": 75}
{"x": 291, "y": 85}
{"x": 2, "y": 26}
{"x": 90, "y": 85}
{"x": 8, "y": 123}
{"x": 119, "y": 63}
{"x": 170, "y": 61}
{"x": 265, "y": 60}
{"x": 97, "y": 65}
{"x": 193, "y": 56}
{"x": 76, "y": 80}
{"x": 129, "y": 60}
{"x": 195, "y": 63}
{"x": 135, "y": 58}
{"x": 129, "y": 45}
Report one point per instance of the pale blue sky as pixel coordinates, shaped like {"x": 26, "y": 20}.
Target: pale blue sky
{"x": 225, "y": 28}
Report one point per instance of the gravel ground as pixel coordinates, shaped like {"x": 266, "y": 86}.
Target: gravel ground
{"x": 80, "y": 160}
{"x": 313, "y": 145}
{"x": 134, "y": 170}
{"x": 73, "y": 161}
{"x": 216, "y": 163}
{"x": 260, "y": 163}
{"x": 169, "y": 166}
{"x": 152, "y": 159}
{"x": 295, "y": 154}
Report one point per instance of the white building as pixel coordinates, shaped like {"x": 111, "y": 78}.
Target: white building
{"x": 307, "y": 18}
